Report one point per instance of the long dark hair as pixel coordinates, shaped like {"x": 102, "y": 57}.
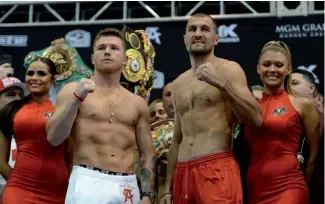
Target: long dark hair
{"x": 8, "y": 112}
{"x": 7, "y": 115}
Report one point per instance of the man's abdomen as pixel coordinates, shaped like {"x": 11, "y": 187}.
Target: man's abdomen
{"x": 206, "y": 130}
{"x": 105, "y": 157}
{"x": 204, "y": 143}
{"x": 110, "y": 147}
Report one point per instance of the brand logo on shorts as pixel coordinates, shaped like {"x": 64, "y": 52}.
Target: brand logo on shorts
{"x": 279, "y": 111}
{"x": 227, "y": 34}
{"x": 128, "y": 197}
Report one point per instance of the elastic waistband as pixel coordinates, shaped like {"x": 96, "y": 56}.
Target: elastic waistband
{"x": 105, "y": 171}
{"x": 207, "y": 158}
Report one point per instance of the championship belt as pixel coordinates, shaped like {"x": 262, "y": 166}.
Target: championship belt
{"x": 162, "y": 135}
{"x": 138, "y": 73}
{"x": 70, "y": 67}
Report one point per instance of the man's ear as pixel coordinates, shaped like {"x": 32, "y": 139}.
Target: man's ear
{"x": 217, "y": 40}
{"x": 92, "y": 59}
{"x": 125, "y": 60}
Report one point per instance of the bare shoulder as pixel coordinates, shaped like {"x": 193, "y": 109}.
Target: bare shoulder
{"x": 231, "y": 71}
{"x": 137, "y": 101}
{"x": 231, "y": 66}
{"x": 304, "y": 103}
{"x": 301, "y": 104}
{"x": 181, "y": 79}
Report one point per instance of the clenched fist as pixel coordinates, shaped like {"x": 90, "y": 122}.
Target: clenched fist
{"x": 6, "y": 70}
{"x": 208, "y": 73}
{"x": 84, "y": 87}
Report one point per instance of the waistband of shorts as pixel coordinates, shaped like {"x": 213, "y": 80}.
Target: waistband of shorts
{"x": 205, "y": 159}
{"x": 78, "y": 172}
{"x": 108, "y": 172}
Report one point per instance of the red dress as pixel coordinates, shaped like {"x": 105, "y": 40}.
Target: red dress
{"x": 274, "y": 175}
{"x": 40, "y": 175}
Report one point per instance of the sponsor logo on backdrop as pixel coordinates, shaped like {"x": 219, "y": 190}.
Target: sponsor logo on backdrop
{"x": 78, "y": 38}
{"x": 159, "y": 80}
{"x": 310, "y": 69}
{"x": 153, "y": 34}
{"x": 13, "y": 40}
{"x": 227, "y": 34}
{"x": 307, "y": 30}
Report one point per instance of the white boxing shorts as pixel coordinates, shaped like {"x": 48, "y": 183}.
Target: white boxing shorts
{"x": 90, "y": 185}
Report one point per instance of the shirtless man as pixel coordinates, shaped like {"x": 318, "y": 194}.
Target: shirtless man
{"x": 207, "y": 98}
{"x": 106, "y": 122}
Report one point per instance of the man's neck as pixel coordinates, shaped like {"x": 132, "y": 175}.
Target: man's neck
{"x": 199, "y": 60}
{"x": 110, "y": 80}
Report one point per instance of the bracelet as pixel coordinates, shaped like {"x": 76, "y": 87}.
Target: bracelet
{"x": 78, "y": 97}
{"x": 166, "y": 194}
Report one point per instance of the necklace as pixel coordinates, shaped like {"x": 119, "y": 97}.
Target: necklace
{"x": 111, "y": 104}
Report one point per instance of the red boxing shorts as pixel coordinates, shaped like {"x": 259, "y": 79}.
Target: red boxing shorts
{"x": 208, "y": 179}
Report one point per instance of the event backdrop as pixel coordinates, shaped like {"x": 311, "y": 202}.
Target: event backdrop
{"x": 241, "y": 40}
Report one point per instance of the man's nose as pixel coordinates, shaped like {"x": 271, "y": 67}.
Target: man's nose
{"x": 108, "y": 51}
{"x": 198, "y": 33}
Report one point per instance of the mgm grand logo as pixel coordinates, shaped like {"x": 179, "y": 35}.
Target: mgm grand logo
{"x": 307, "y": 30}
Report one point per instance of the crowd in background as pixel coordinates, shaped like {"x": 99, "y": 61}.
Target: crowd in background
{"x": 161, "y": 113}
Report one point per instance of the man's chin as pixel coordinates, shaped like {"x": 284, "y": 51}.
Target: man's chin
{"x": 107, "y": 69}
{"x": 199, "y": 52}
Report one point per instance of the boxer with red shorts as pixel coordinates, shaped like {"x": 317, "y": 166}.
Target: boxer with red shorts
{"x": 208, "y": 179}
{"x": 207, "y": 98}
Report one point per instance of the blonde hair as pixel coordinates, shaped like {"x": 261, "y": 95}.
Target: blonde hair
{"x": 153, "y": 104}
{"x": 282, "y": 47}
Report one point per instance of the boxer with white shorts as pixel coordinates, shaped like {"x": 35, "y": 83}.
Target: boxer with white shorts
{"x": 106, "y": 123}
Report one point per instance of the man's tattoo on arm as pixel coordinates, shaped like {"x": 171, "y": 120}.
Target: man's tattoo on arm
{"x": 153, "y": 163}
{"x": 145, "y": 178}
{"x": 147, "y": 175}
{"x": 142, "y": 161}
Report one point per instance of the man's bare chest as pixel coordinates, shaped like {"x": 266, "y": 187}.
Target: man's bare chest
{"x": 196, "y": 95}
{"x": 101, "y": 110}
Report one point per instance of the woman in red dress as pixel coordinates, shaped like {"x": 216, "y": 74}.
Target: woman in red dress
{"x": 274, "y": 174}
{"x": 40, "y": 175}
